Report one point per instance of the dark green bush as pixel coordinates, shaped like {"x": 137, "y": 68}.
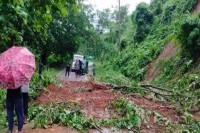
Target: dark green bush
{"x": 189, "y": 36}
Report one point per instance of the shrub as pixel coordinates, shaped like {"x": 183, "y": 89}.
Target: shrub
{"x": 189, "y": 36}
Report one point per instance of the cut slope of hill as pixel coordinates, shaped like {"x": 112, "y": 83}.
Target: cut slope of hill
{"x": 197, "y": 7}
{"x": 153, "y": 71}
{"x": 169, "y": 50}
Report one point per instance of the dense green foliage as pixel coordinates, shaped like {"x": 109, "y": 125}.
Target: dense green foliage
{"x": 70, "y": 114}
{"x": 125, "y": 109}
{"x": 105, "y": 74}
{"x": 123, "y": 43}
{"x": 145, "y": 33}
{"x": 52, "y": 30}
{"x": 60, "y": 113}
{"x": 2, "y": 109}
{"x": 36, "y": 87}
{"x": 189, "y": 35}
{"x": 143, "y": 18}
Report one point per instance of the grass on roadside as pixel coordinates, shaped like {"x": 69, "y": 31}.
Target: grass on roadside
{"x": 36, "y": 86}
{"x": 106, "y": 74}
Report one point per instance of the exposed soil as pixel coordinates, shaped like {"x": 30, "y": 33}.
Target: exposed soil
{"x": 169, "y": 50}
{"x": 93, "y": 100}
{"x": 196, "y": 8}
{"x": 153, "y": 71}
{"x": 162, "y": 108}
{"x": 95, "y": 97}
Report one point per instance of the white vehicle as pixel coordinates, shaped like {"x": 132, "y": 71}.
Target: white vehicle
{"x": 76, "y": 57}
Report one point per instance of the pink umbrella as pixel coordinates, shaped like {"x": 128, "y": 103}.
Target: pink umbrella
{"x": 17, "y": 66}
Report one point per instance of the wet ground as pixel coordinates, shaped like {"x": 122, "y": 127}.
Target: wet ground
{"x": 94, "y": 98}
{"x": 60, "y": 129}
{"x": 72, "y": 76}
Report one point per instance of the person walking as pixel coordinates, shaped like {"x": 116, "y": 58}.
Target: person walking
{"x": 14, "y": 101}
{"x": 94, "y": 70}
{"x": 77, "y": 68}
{"x": 67, "y": 69}
{"x": 80, "y": 67}
{"x": 25, "y": 89}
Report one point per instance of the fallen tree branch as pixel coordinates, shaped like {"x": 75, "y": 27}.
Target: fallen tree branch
{"x": 115, "y": 87}
{"x": 194, "y": 110}
{"x": 166, "y": 95}
{"x": 149, "y": 87}
{"x": 158, "y": 88}
{"x": 97, "y": 127}
{"x": 120, "y": 87}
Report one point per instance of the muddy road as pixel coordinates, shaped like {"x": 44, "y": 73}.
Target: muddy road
{"x": 94, "y": 97}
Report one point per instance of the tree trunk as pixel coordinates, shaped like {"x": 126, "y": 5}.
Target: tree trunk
{"x": 11, "y": 42}
{"x": 43, "y": 55}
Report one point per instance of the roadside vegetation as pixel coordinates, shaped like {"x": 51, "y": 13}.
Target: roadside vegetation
{"x": 37, "y": 85}
{"x": 140, "y": 39}
{"x": 104, "y": 73}
{"x": 122, "y": 44}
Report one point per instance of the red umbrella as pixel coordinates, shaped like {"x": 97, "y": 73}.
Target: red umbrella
{"x": 17, "y": 66}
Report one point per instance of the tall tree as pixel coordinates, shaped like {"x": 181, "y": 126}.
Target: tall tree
{"x": 143, "y": 18}
{"x": 27, "y": 22}
{"x": 120, "y": 15}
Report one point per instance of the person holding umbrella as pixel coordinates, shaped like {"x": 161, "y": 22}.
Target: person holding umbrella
{"x": 25, "y": 89}
{"x": 14, "y": 101}
{"x": 17, "y": 66}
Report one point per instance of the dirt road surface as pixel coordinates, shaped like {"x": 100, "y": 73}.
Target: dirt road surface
{"x": 72, "y": 76}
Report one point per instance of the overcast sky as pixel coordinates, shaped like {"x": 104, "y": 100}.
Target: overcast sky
{"x": 102, "y": 4}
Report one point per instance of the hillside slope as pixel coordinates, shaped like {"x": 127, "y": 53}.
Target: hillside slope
{"x": 168, "y": 52}
{"x": 196, "y": 8}
{"x": 153, "y": 70}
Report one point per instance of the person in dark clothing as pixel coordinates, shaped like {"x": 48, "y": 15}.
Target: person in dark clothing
{"x": 86, "y": 66}
{"x": 14, "y": 101}
{"x": 25, "y": 96}
{"x": 80, "y": 67}
{"x": 67, "y": 69}
{"x": 94, "y": 70}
